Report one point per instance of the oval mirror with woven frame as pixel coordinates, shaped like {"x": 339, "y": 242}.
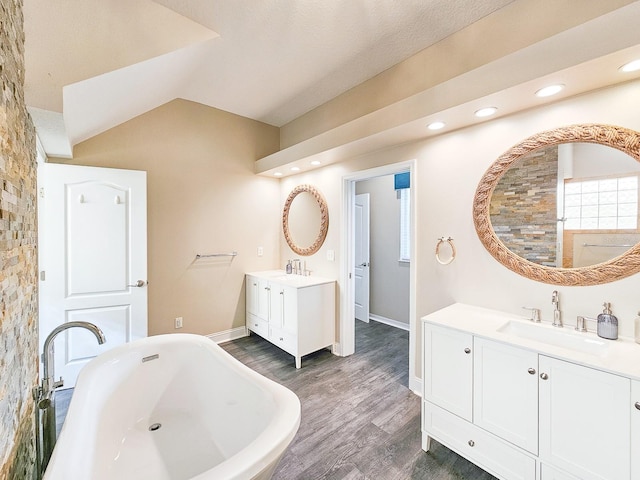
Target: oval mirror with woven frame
{"x": 623, "y": 139}
{"x": 324, "y": 220}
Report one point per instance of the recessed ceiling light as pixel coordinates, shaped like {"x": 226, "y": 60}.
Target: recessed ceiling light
{"x": 295, "y": 169}
{"x": 315, "y": 162}
{"x": 278, "y": 174}
{"x": 436, "y": 125}
{"x": 631, "y": 66}
{"x": 550, "y": 90}
{"x": 486, "y": 112}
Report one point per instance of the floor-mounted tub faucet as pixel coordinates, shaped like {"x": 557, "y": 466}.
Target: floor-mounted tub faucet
{"x": 557, "y": 318}
{"x": 48, "y": 385}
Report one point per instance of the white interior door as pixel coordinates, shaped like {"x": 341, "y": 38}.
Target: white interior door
{"x": 92, "y": 258}
{"x": 361, "y": 268}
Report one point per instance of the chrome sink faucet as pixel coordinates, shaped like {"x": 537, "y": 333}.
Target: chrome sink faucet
{"x": 557, "y": 318}
{"x": 535, "y": 314}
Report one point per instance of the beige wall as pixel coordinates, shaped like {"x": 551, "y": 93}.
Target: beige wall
{"x": 523, "y": 22}
{"x": 203, "y": 197}
{"x": 448, "y": 169}
{"x": 389, "y": 278}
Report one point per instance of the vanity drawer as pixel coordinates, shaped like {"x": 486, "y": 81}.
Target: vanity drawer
{"x": 485, "y": 450}
{"x": 258, "y": 325}
{"x": 285, "y": 340}
{"x": 550, "y": 473}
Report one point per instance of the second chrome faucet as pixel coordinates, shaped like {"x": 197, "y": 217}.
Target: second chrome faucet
{"x": 557, "y": 317}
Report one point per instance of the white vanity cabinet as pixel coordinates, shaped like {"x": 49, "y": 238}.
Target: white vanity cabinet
{"x": 293, "y": 312}
{"x": 450, "y": 406}
{"x": 584, "y": 420}
{"x": 538, "y": 412}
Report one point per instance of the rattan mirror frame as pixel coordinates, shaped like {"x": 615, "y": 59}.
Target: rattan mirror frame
{"x": 623, "y": 139}
{"x": 324, "y": 220}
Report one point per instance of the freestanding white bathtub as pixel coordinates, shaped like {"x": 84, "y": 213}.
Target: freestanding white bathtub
{"x": 173, "y": 407}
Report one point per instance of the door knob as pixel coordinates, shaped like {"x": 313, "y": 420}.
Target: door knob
{"x": 544, "y": 376}
{"x": 532, "y": 371}
{"x": 467, "y": 350}
{"x": 638, "y": 405}
{"x": 139, "y": 283}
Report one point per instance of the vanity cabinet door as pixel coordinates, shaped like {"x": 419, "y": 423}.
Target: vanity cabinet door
{"x": 257, "y": 297}
{"x": 635, "y": 429}
{"x": 448, "y": 369}
{"x": 257, "y": 301}
{"x": 506, "y": 392}
{"x": 584, "y": 421}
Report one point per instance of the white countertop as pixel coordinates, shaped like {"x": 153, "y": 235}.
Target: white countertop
{"x": 620, "y": 356}
{"x": 291, "y": 280}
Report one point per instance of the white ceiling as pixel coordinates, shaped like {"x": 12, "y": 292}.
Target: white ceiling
{"x": 93, "y": 64}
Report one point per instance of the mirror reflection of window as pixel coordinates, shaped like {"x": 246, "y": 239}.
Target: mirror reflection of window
{"x": 601, "y": 204}
{"x": 599, "y": 190}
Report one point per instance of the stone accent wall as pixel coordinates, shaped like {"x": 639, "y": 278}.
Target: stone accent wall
{"x": 523, "y": 207}
{"x": 18, "y": 255}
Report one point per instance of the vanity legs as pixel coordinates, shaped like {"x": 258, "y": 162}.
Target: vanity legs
{"x": 426, "y": 442}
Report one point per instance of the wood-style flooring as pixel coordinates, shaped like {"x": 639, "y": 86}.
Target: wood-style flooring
{"x": 359, "y": 418}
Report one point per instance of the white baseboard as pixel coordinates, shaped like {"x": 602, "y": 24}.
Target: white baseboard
{"x": 389, "y": 321}
{"x": 415, "y": 385}
{"x": 228, "y": 335}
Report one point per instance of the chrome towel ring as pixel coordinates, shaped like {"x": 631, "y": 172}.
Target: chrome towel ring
{"x": 442, "y": 240}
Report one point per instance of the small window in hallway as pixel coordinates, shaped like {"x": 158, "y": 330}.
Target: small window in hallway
{"x": 405, "y": 224}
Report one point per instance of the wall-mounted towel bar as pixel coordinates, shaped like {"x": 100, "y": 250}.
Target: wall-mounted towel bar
{"x": 605, "y": 245}
{"x": 230, "y": 254}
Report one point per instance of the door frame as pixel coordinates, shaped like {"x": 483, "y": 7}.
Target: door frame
{"x": 347, "y": 245}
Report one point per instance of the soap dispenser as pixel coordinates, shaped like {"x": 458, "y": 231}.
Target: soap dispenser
{"x": 289, "y": 268}
{"x": 607, "y": 323}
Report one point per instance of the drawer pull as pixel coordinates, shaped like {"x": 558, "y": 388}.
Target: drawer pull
{"x": 467, "y": 350}
{"x": 281, "y": 339}
{"x": 544, "y": 376}
{"x": 638, "y": 405}
{"x": 255, "y": 324}
{"x": 471, "y": 443}
{"x": 532, "y": 371}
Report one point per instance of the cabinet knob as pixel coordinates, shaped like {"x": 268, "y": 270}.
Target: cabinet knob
{"x": 267, "y": 288}
{"x": 637, "y": 405}
{"x": 471, "y": 443}
{"x": 544, "y": 376}
{"x": 532, "y": 371}
{"x": 281, "y": 339}
{"x": 282, "y": 293}
{"x": 467, "y": 350}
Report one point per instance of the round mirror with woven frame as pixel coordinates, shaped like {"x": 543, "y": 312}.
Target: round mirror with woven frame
{"x": 323, "y": 227}
{"x": 623, "y": 139}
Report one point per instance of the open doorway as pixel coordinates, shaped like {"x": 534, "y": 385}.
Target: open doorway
{"x": 382, "y": 259}
{"x": 388, "y": 270}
